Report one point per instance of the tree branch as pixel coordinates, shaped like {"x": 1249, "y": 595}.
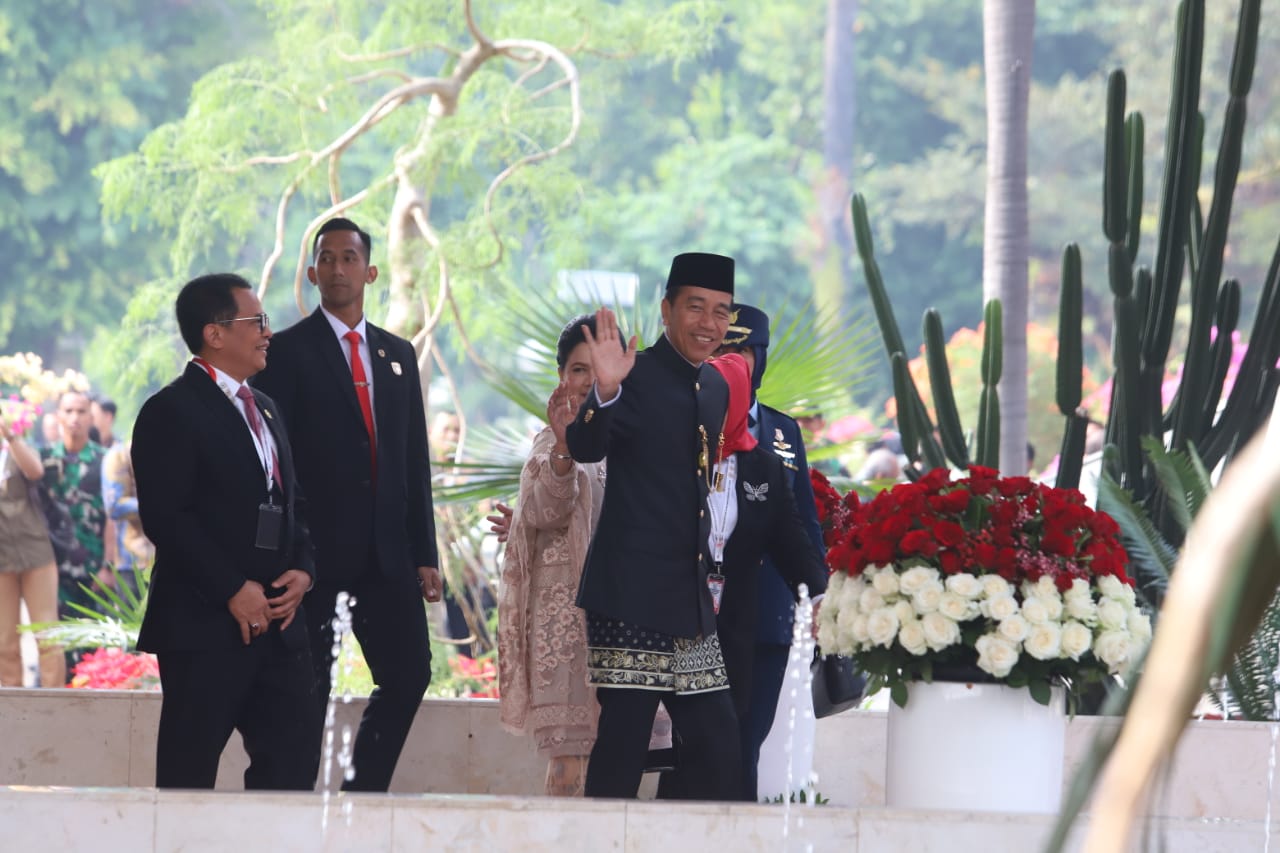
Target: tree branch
{"x": 570, "y": 71}
{"x": 398, "y": 53}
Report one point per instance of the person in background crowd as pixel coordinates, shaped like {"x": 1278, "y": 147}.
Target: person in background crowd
{"x": 446, "y": 429}
{"x": 814, "y": 437}
{"x": 881, "y": 464}
{"x": 28, "y": 572}
{"x": 134, "y": 551}
{"x": 49, "y": 429}
{"x": 103, "y": 414}
{"x": 73, "y": 476}
{"x": 467, "y": 597}
{"x": 542, "y": 636}
{"x": 748, "y": 335}
{"x": 224, "y": 617}
{"x": 352, "y": 400}
{"x": 648, "y": 588}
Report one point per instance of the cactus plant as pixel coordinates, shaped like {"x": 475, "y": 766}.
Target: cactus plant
{"x": 1145, "y": 299}
{"x": 922, "y": 448}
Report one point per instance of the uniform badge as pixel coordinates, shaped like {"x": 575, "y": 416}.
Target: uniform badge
{"x": 395, "y": 367}
{"x": 782, "y": 450}
{"x": 267, "y": 412}
{"x": 590, "y": 413}
{"x": 382, "y": 353}
{"x": 756, "y": 493}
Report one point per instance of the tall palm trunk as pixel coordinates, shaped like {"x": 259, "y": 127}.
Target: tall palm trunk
{"x": 832, "y": 271}
{"x": 1007, "y": 29}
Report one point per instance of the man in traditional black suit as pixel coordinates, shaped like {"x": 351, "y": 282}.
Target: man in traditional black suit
{"x": 647, "y": 586}
{"x": 767, "y": 527}
{"x": 774, "y": 609}
{"x": 216, "y": 494}
{"x": 352, "y": 399}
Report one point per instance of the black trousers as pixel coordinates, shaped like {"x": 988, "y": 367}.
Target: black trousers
{"x": 709, "y": 753}
{"x": 265, "y": 690}
{"x": 389, "y": 619}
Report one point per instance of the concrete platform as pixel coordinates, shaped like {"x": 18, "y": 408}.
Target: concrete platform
{"x": 78, "y": 766}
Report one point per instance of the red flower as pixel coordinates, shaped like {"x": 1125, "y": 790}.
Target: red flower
{"x": 919, "y": 542}
{"x": 948, "y": 533}
{"x": 984, "y": 524}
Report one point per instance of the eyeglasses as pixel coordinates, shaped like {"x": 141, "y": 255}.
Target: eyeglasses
{"x": 261, "y": 319}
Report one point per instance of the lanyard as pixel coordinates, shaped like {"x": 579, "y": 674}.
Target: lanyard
{"x": 722, "y": 504}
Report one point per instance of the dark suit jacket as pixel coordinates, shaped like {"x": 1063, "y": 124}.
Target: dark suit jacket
{"x": 647, "y": 563}
{"x": 200, "y": 482}
{"x": 351, "y": 521}
{"x": 769, "y": 525}
{"x": 781, "y": 436}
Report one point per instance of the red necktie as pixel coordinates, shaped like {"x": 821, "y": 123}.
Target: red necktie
{"x": 362, "y": 394}
{"x": 255, "y": 424}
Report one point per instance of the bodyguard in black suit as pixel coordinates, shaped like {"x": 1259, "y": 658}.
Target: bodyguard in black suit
{"x": 351, "y": 396}
{"x": 774, "y": 609}
{"x": 645, "y": 587}
{"x": 216, "y": 495}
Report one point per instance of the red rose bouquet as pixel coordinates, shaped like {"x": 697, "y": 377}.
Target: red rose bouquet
{"x": 1016, "y": 579}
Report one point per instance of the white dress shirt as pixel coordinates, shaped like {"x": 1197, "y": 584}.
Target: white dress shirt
{"x": 264, "y": 444}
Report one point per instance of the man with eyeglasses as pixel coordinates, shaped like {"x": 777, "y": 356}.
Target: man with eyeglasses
{"x": 352, "y": 399}
{"x": 216, "y": 493}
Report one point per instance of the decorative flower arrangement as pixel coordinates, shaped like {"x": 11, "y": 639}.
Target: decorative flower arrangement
{"x": 1020, "y": 580}
{"x": 24, "y": 375}
{"x": 475, "y": 678}
{"x": 116, "y": 669}
{"x": 18, "y": 414}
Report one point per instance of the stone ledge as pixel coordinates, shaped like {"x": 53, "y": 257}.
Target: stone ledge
{"x": 141, "y": 820}
{"x": 107, "y": 738}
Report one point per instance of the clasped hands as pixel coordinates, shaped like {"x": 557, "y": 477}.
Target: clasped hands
{"x": 254, "y": 612}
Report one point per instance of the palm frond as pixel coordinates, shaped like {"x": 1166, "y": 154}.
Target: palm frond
{"x": 87, "y": 632}
{"x": 1151, "y": 557}
{"x": 1183, "y": 479}
{"x": 1251, "y": 677}
{"x": 815, "y": 361}
{"x": 495, "y": 456}
{"x": 1201, "y": 479}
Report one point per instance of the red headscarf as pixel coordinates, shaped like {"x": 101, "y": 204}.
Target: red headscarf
{"x": 737, "y": 437}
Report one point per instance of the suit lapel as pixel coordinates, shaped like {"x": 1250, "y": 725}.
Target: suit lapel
{"x": 334, "y": 360}
{"x": 385, "y": 380}
{"x": 224, "y": 412}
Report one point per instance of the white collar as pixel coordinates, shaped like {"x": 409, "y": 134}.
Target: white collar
{"x": 340, "y": 328}
{"x": 229, "y": 386}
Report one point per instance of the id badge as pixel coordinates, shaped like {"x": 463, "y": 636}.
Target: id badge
{"x": 270, "y": 522}
{"x": 715, "y": 583}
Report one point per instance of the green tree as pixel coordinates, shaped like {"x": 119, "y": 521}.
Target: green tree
{"x": 83, "y": 82}
{"x": 444, "y": 131}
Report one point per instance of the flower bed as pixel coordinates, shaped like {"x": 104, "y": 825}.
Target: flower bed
{"x": 116, "y": 669}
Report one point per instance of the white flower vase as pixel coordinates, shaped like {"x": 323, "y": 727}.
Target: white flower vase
{"x": 976, "y": 747}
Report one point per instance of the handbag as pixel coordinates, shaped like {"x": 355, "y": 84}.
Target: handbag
{"x": 838, "y": 685}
